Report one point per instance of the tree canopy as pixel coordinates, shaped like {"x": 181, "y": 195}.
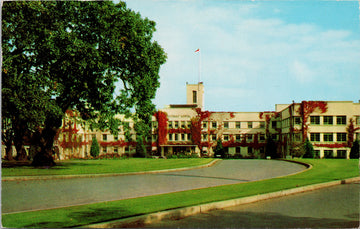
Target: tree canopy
{"x": 96, "y": 57}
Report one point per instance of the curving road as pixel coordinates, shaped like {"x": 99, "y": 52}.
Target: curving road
{"x": 43, "y": 194}
{"x": 332, "y": 207}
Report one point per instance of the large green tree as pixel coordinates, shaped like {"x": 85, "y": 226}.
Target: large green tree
{"x": 96, "y": 57}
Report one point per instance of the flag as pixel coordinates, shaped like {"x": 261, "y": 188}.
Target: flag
{"x": 197, "y": 50}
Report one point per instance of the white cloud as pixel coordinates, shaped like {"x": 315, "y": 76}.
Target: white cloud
{"x": 242, "y": 53}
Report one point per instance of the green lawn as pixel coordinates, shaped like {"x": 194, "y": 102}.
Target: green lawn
{"x": 323, "y": 170}
{"x": 74, "y": 167}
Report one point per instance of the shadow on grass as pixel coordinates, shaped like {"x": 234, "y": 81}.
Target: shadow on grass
{"x": 59, "y": 165}
{"x": 81, "y": 218}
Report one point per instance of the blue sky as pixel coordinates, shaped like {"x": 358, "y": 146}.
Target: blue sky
{"x": 255, "y": 54}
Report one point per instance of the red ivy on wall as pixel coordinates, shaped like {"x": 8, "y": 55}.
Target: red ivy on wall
{"x": 69, "y": 130}
{"x": 118, "y": 143}
{"x": 180, "y": 131}
{"x": 162, "y": 119}
{"x": 268, "y": 116}
{"x": 196, "y": 128}
{"x": 331, "y": 145}
{"x": 350, "y": 131}
{"x": 306, "y": 109}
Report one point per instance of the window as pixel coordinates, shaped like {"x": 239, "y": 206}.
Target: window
{"x": 238, "y": 125}
{"x": 328, "y": 120}
{"x": 315, "y": 137}
{"x": 250, "y": 137}
{"x": 104, "y": 149}
{"x": 204, "y": 137}
{"x": 170, "y": 123}
{"x": 262, "y": 137}
{"x": 116, "y": 137}
{"x": 213, "y": 137}
{"x": 328, "y": 153}
{"x": 317, "y": 153}
{"x": 341, "y": 137}
{"x": 188, "y": 125}
{"x": 194, "y": 97}
{"x": 238, "y": 150}
{"x": 297, "y": 120}
{"x": 250, "y": 125}
{"x": 226, "y": 137}
{"x": 238, "y": 137}
{"x": 340, "y": 120}
{"x": 176, "y": 137}
{"x": 104, "y": 137}
{"x": 214, "y": 125}
{"x": 204, "y": 124}
{"x": 182, "y": 137}
{"x": 189, "y": 137}
{"x": 262, "y": 125}
{"x": 273, "y": 124}
{"x": 328, "y": 137}
{"x": 183, "y": 124}
{"x": 226, "y": 125}
{"x": 315, "y": 120}
{"x": 341, "y": 153}
{"x": 154, "y": 124}
{"x": 297, "y": 137}
{"x": 176, "y": 124}
{"x": 250, "y": 150}
{"x": 357, "y": 120}
{"x": 274, "y": 137}
{"x": 116, "y": 150}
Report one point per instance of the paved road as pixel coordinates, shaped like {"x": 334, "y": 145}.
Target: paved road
{"x": 42, "y": 194}
{"x": 334, "y": 207}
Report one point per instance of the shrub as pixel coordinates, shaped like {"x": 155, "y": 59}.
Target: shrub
{"x": 219, "y": 149}
{"x": 95, "y": 148}
{"x": 309, "y": 149}
{"x": 354, "y": 152}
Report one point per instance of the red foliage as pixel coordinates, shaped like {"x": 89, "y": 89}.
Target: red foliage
{"x": 196, "y": 128}
{"x": 331, "y": 145}
{"x": 180, "y": 131}
{"x": 70, "y": 132}
{"x": 307, "y": 108}
{"x": 162, "y": 119}
{"x": 350, "y": 131}
{"x": 118, "y": 143}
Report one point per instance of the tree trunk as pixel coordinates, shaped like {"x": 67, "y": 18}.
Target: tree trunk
{"x": 9, "y": 152}
{"x": 44, "y": 156}
{"x": 19, "y": 134}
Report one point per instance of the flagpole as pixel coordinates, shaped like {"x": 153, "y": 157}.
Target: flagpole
{"x": 199, "y": 66}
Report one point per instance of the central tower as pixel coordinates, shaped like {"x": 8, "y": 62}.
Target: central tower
{"x": 195, "y": 94}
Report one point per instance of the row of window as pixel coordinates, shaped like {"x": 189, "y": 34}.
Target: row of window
{"x": 331, "y": 153}
{"x": 213, "y": 137}
{"x": 317, "y": 120}
{"x": 328, "y": 137}
{"x": 214, "y": 124}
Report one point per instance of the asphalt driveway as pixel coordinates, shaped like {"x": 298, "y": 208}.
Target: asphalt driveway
{"x": 43, "y": 194}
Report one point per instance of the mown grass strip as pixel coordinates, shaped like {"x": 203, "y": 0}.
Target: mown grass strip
{"x": 79, "y": 167}
{"x": 323, "y": 171}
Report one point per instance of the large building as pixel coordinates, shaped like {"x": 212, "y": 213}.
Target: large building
{"x": 178, "y": 129}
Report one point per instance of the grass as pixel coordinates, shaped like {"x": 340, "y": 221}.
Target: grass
{"x": 76, "y": 167}
{"x": 323, "y": 170}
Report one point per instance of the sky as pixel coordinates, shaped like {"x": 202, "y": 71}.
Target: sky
{"x": 255, "y": 54}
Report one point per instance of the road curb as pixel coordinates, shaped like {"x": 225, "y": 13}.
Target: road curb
{"x": 192, "y": 210}
{"x": 54, "y": 177}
